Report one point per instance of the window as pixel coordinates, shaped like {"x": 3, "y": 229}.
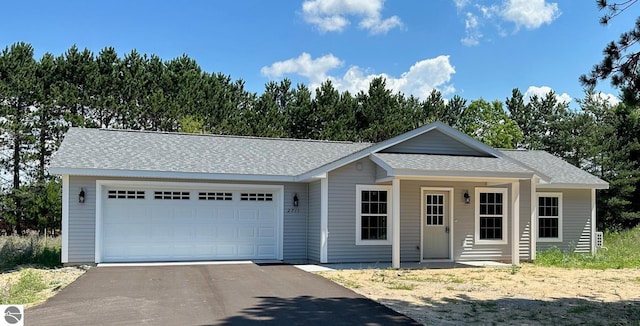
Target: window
{"x": 373, "y": 215}
{"x": 171, "y": 195}
{"x": 125, "y": 194}
{"x": 256, "y": 197}
{"x": 549, "y": 217}
{"x": 491, "y": 215}
{"x": 434, "y": 209}
{"x": 215, "y": 196}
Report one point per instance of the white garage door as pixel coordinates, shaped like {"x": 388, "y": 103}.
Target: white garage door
{"x": 186, "y": 224}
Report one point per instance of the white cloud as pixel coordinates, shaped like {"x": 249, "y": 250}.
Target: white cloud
{"x": 460, "y": 4}
{"x": 605, "y": 98}
{"x": 472, "y": 30}
{"x": 331, "y": 15}
{"x": 421, "y": 78}
{"x": 530, "y": 13}
{"x": 313, "y": 69}
{"x": 542, "y": 92}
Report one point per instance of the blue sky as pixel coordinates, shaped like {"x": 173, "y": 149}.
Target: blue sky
{"x": 470, "y": 48}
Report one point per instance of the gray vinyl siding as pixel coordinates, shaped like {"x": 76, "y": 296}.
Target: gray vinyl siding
{"x": 82, "y": 220}
{"x": 576, "y": 221}
{"x": 81, "y": 247}
{"x": 433, "y": 142}
{"x": 313, "y": 231}
{"x": 381, "y": 173}
{"x": 410, "y": 221}
{"x": 525, "y": 220}
{"x": 342, "y": 216}
{"x": 294, "y": 240}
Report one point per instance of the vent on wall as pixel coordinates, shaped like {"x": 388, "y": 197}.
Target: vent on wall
{"x": 125, "y": 194}
{"x": 215, "y": 196}
{"x": 256, "y": 197}
{"x": 599, "y": 240}
{"x": 171, "y": 195}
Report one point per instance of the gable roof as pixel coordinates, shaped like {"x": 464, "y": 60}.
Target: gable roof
{"x": 125, "y": 153}
{"x": 562, "y": 173}
{"x": 156, "y": 154}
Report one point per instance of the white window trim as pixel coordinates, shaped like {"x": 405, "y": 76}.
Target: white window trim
{"x": 560, "y": 222}
{"x": 359, "y": 241}
{"x": 505, "y": 215}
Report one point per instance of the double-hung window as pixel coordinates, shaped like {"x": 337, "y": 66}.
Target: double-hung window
{"x": 373, "y": 215}
{"x": 491, "y": 215}
{"x": 549, "y": 217}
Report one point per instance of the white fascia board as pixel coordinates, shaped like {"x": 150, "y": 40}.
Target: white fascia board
{"x": 572, "y": 186}
{"x": 382, "y": 164}
{"x": 495, "y": 181}
{"x": 462, "y": 174}
{"x": 171, "y": 175}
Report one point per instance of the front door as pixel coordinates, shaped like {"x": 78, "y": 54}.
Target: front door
{"x": 435, "y": 224}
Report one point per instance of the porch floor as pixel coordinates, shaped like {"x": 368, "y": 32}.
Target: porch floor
{"x": 410, "y": 265}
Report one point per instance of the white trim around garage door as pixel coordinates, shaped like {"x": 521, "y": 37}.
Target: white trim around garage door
{"x": 101, "y": 184}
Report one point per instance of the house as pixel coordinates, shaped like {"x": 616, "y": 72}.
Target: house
{"x": 431, "y": 194}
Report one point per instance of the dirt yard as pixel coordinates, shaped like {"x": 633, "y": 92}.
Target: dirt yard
{"x": 525, "y": 295}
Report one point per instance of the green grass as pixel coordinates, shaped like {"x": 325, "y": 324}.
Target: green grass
{"x": 401, "y": 286}
{"x": 26, "y": 290}
{"x": 29, "y": 250}
{"x": 622, "y": 251}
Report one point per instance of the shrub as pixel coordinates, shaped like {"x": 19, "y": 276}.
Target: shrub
{"x": 30, "y": 249}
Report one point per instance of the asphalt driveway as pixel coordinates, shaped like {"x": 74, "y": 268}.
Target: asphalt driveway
{"x": 240, "y": 294}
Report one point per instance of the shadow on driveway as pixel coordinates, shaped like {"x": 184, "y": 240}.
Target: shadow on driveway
{"x": 307, "y": 310}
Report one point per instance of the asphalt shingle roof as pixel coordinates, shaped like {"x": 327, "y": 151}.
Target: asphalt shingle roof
{"x": 560, "y": 171}
{"x": 451, "y": 163}
{"x": 108, "y": 149}
{"x": 157, "y": 152}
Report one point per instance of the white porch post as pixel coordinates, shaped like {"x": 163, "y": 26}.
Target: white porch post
{"x": 65, "y": 218}
{"x": 515, "y": 223}
{"x": 395, "y": 223}
{"x": 593, "y": 221}
{"x": 324, "y": 219}
{"x": 533, "y": 233}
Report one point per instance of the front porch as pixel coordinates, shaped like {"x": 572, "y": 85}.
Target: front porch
{"x": 446, "y": 222}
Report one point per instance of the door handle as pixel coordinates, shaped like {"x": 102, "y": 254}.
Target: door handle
{"x": 446, "y": 229}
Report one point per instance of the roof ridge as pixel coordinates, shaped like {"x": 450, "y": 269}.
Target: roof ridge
{"x": 221, "y": 135}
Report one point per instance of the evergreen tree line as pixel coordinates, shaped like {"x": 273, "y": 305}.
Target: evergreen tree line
{"x": 41, "y": 98}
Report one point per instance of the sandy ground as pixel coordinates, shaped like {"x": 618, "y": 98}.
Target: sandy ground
{"x": 525, "y": 295}
{"x": 55, "y": 279}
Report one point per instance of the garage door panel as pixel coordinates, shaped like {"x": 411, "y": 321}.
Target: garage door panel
{"x": 225, "y": 214}
{"x": 166, "y": 229}
{"x": 266, "y": 233}
{"x": 248, "y": 215}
